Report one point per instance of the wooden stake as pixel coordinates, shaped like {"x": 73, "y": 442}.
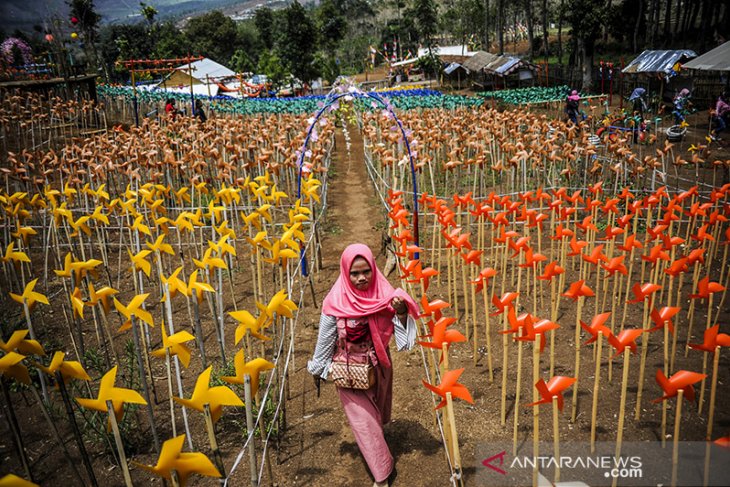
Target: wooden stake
{"x": 75, "y": 428}
{"x": 250, "y": 430}
{"x": 17, "y": 438}
{"x": 713, "y": 389}
{"x": 213, "y": 442}
{"x": 455, "y": 454}
{"x": 596, "y": 382}
{"x": 556, "y": 438}
{"x": 120, "y": 445}
{"x": 622, "y": 408}
{"x": 518, "y": 382}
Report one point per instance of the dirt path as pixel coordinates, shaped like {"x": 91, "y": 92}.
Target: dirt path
{"x": 320, "y": 447}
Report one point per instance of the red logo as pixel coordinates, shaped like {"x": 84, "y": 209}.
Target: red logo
{"x": 500, "y": 456}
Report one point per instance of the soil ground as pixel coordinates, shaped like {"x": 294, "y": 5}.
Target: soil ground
{"x": 318, "y": 447}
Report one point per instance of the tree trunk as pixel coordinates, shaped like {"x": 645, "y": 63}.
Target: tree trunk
{"x": 654, "y": 23}
{"x": 486, "y": 25}
{"x": 560, "y": 33}
{"x": 587, "y": 65}
{"x": 639, "y": 16}
{"x": 530, "y": 28}
{"x": 605, "y": 26}
{"x": 678, "y": 17}
{"x": 500, "y": 25}
{"x": 545, "y": 34}
{"x": 514, "y": 31}
{"x": 705, "y": 30}
{"x": 667, "y": 24}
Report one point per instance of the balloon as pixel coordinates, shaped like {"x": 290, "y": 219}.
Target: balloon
{"x": 74, "y": 35}
{"x": 49, "y": 37}
{"x": 74, "y": 20}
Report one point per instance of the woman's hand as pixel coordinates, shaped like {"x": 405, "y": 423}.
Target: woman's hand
{"x": 399, "y": 305}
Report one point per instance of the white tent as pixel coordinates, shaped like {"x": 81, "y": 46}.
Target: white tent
{"x": 203, "y": 75}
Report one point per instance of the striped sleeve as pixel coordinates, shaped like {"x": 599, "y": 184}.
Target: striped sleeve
{"x": 325, "y": 349}
{"x": 405, "y": 336}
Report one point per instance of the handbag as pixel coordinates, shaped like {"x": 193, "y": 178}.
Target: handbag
{"x": 351, "y": 374}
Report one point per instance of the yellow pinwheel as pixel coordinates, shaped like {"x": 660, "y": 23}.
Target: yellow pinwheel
{"x": 209, "y": 261}
{"x": 182, "y": 196}
{"x": 175, "y": 284}
{"x": 176, "y": 345}
{"x": 140, "y": 226}
{"x": 182, "y": 222}
{"x": 277, "y": 196}
{"x": 80, "y": 224}
{"x": 280, "y": 254}
{"x": 229, "y": 194}
{"x": 77, "y": 303}
{"x": 11, "y": 366}
{"x": 11, "y": 480}
{"x": 61, "y": 212}
{"x": 69, "y": 369}
{"x": 289, "y": 236}
{"x": 198, "y": 287}
{"x": 223, "y": 230}
{"x": 214, "y": 397}
{"x": 29, "y": 295}
{"x": 222, "y": 246}
{"x": 281, "y": 305}
{"x": 247, "y": 323}
{"x": 12, "y": 255}
{"x": 252, "y": 368}
{"x": 69, "y": 192}
{"x": 18, "y": 343}
{"x": 99, "y": 216}
{"x": 263, "y": 210}
{"x": 214, "y": 211}
{"x": 108, "y": 392}
{"x": 25, "y": 233}
{"x": 134, "y": 308}
{"x": 259, "y": 240}
{"x": 81, "y": 268}
{"x": 184, "y": 464}
{"x": 310, "y": 188}
{"x": 160, "y": 246}
{"x": 252, "y": 218}
{"x": 139, "y": 262}
{"x": 101, "y": 296}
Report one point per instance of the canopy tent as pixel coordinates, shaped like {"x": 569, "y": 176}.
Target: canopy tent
{"x": 205, "y": 72}
{"x": 717, "y": 59}
{"x": 664, "y": 62}
{"x": 444, "y": 53}
{"x": 479, "y": 61}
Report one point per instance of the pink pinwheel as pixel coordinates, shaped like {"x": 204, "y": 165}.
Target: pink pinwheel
{"x": 554, "y": 388}
{"x": 683, "y": 379}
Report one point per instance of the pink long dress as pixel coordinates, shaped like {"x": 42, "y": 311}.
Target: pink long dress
{"x": 368, "y": 410}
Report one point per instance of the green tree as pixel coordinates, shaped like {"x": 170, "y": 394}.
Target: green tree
{"x": 148, "y": 12}
{"x": 263, "y": 19}
{"x": 331, "y": 23}
{"x": 213, "y": 35}
{"x": 88, "y": 24}
{"x": 586, "y": 18}
{"x": 297, "y": 43}
{"x": 170, "y": 42}
{"x": 272, "y": 66}
{"x": 426, "y": 15}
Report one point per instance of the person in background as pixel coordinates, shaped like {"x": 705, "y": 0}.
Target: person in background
{"x": 722, "y": 114}
{"x": 170, "y": 109}
{"x": 681, "y": 103}
{"x": 199, "y": 112}
{"x": 571, "y": 106}
{"x": 637, "y": 97}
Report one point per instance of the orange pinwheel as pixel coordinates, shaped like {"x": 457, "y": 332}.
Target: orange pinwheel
{"x": 597, "y": 326}
{"x": 705, "y": 288}
{"x": 596, "y": 255}
{"x": 504, "y": 302}
{"x": 483, "y": 278}
{"x": 517, "y": 322}
{"x": 551, "y": 270}
{"x": 576, "y": 246}
{"x": 627, "y": 338}
{"x": 656, "y": 254}
{"x": 712, "y": 339}
{"x": 449, "y": 384}
{"x": 578, "y": 289}
{"x": 663, "y": 317}
{"x": 433, "y": 308}
{"x": 531, "y": 259}
{"x": 472, "y": 257}
{"x": 616, "y": 264}
{"x": 677, "y": 267}
{"x": 630, "y": 243}
{"x": 642, "y": 291}
{"x": 554, "y": 388}
{"x": 440, "y": 334}
{"x": 533, "y": 329}
{"x": 683, "y": 379}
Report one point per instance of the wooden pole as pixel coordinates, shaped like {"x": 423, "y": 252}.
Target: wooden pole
{"x": 120, "y": 445}
{"x": 75, "y": 429}
{"x": 212, "y": 439}
{"x": 250, "y": 430}
{"x": 713, "y": 389}
{"x": 622, "y": 408}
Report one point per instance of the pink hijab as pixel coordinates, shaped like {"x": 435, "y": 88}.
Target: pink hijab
{"x": 346, "y": 301}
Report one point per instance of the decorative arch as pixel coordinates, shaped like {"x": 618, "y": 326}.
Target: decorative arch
{"x": 344, "y": 87}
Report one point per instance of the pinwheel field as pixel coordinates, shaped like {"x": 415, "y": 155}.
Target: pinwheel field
{"x": 161, "y": 286}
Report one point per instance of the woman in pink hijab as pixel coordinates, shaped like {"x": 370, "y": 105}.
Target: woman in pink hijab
{"x": 359, "y": 315}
